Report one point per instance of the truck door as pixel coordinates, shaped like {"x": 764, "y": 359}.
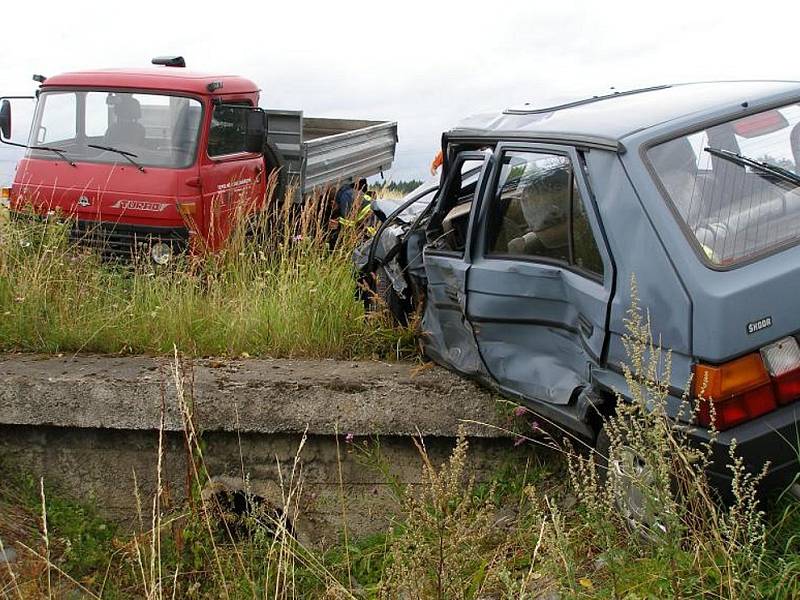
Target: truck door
{"x": 449, "y": 335}
{"x": 231, "y": 177}
{"x": 541, "y": 278}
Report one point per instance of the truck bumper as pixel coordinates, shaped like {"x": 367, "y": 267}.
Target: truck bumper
{"x": 121, "y": 240}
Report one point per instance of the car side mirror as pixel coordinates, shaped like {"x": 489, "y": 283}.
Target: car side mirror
{"x": 5, "y": 119}
{"x": 256, "y": 131}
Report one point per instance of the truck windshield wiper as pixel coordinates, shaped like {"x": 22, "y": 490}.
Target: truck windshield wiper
{"x": 58, "y": 151}
{"x": 129, "y": 156}
{"x": 765, "y": 167}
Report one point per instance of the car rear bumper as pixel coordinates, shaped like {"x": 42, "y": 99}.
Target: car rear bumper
{"x": 773, "y": 439}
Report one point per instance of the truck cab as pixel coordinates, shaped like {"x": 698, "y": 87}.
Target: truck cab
{"x": 169, "y": 158}
{"x": 159, "y": 153}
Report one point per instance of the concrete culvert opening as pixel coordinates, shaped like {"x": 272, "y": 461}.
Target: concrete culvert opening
{"x": 244, "y": 509}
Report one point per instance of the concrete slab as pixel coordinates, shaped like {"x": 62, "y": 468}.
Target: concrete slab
{"x": 260, "y": 396}
{"x": 90, "y": 424}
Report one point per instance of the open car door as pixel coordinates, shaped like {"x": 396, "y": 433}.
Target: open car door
{"x": 448, "y": 337}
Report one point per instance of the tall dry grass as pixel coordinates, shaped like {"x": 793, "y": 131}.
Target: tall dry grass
{"x": 277, "y": 288}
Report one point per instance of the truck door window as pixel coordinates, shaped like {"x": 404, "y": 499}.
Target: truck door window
{"x": 228, "y": 133}
{"x": 537, "y": 212}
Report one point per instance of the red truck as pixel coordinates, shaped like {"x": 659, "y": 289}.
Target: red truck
{"x": 166, "y": 157}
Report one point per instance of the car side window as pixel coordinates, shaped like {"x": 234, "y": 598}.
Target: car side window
{"x": 228, "y": 134}
{"x": 585, "y": 252}
{"x": 530, "y": 212}
{"x": 537, "y": 212}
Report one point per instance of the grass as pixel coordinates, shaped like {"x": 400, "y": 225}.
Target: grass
{"x": 287, "y": 294}
{"x": 554, "y": 526}
{"x": 542, "y": 528}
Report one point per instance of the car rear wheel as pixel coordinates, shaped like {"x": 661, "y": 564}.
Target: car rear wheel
{"x": 632, "y": 484}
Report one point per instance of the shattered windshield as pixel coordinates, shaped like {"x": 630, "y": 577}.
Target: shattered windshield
{"x": 734, "y": 184}
{"x": 156, "y": 130}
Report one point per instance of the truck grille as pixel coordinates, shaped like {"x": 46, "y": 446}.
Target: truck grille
{"x": 118, "y": 240}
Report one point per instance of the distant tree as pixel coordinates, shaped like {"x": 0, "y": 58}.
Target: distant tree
{"x": 403, "y": 187}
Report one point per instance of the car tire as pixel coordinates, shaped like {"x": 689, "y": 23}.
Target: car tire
{"x": 630, "y": 499}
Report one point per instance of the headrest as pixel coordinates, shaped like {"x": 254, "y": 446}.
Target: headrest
{"x": 126, "y": 107}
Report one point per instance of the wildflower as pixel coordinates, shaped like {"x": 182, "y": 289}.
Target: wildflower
{"x": 349, "y": 438}
{"x": 519, "y": 440}
{"x": 520, "y": 411}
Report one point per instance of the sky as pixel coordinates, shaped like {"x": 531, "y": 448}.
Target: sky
{"x": 425, "y": 65}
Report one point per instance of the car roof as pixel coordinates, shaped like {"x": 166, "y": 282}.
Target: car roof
{"x": 157, "y": 78}
{"x": 604, "y": 121}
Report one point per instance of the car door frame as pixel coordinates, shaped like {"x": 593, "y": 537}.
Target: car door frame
{"x": 565, "y": 414}
{"x": 449, "y": 338}
{"x": 223, "y": 202}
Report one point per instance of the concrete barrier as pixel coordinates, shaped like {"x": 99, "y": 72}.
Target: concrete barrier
{"x": 90, "y": 423}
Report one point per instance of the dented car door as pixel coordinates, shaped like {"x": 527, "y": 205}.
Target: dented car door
{"x": 540, "y": 283}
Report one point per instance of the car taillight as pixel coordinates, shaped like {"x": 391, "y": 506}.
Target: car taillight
{"x": 740, "y": 390}
{"x": 783, "y": 362}
{"x": 750, "y": 386}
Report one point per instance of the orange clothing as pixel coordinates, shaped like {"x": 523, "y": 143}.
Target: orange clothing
{"x": 437, "y": 162}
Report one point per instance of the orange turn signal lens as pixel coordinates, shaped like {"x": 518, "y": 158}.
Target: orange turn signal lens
{"x": 187, "y": 208}
{"x": 740, "y": 390}
{"x": 721, "y": 381}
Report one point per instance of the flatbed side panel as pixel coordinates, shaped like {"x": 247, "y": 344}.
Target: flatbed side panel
{"x": 317, "y": 127}
{"x": 357, "y": 152}
{"x": 285, "y": 130}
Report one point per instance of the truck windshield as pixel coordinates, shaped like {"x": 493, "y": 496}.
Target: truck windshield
{"x": 159, "y": 130}
{"x": 734, "y": 185}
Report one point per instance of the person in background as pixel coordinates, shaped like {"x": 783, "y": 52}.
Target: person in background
{"x": 348, "y": 195}
{"x": 437, "y": 162}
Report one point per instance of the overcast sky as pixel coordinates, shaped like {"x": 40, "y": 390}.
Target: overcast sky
{"x": 423, "y": 64}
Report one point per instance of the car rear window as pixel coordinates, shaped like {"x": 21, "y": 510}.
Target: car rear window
{"x": 735, "y": 185}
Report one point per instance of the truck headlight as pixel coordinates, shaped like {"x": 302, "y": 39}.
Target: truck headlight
{"x": 161, "y": 253}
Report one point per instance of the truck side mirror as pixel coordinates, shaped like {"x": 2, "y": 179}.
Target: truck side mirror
{"x": 256, "y": 131}
{"x": 5, "y": 119}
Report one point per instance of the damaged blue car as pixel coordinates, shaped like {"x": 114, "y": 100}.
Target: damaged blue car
{"x": 519, "y": 259}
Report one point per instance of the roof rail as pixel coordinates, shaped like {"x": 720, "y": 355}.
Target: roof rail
{"x": 535, "y": 111}
{"x": 169, "y": 61}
